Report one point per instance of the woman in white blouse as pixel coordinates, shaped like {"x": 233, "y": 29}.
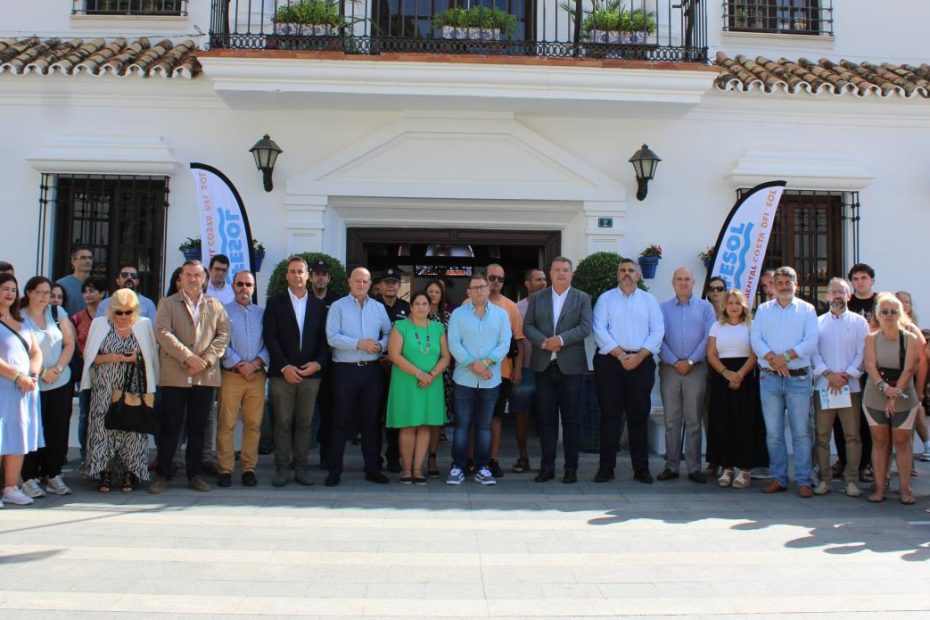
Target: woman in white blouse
{"x": 735, "y": 428}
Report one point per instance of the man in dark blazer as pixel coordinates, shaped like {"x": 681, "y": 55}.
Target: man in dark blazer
{"x": 295, "y": 336}
{"x": 558, "y": 319}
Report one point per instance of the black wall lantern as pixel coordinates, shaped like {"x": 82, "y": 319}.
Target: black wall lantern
{"x": 644, "y": 163}
{"x": 266, "y": 154}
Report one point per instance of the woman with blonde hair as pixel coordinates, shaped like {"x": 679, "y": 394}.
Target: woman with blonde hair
{"x": 735, "y": 428}
{"x": 120, "y": 345}
{"x": 889, "y": 400}
{"x": 923, "y": 366}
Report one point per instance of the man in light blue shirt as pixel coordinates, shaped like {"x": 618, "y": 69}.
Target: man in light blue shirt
{"x": 683, "y": 374}
{"x": 784, "y": 337}
{"x": 357, "y": 329}
{"x": 628, "y": 331}
{"x": 479, "y": 339}
{"x": 244, "y": 364}
{"x": 128, "y": 277}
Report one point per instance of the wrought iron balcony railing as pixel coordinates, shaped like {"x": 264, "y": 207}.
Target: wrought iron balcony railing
{"x": 654, "y": 30}
{"x": 811, "y": 17}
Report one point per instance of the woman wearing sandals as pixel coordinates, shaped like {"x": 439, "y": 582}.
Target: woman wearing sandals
{"x": 113, "y": 345}
{"x": 735, "y": 428}
{"x": 55, "y": 336}
{"x": 20, "y": 363}
{"x": 889, "y": 400}
{"x": 418, "y": 349}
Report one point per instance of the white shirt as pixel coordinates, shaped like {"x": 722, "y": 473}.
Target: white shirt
{"x": 840, "y": 347}
{"x": 225, "y": 294}
{"x": 732, "y": 340}
{"x": 194, "y": 308}
{"x": 558, "y": 301}
{"x": 300, "y": 310}
{"x": 631, "y": 322}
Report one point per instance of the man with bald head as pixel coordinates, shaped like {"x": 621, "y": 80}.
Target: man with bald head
{"x": 683, "y": 374}
{"x": 357, "y": 329}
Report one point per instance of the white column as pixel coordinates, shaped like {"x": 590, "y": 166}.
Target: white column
{"x": 603, "y": 226}
{"x": 304, "y": 223}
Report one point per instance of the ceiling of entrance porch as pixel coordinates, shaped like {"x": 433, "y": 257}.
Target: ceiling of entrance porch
{"x": 291, "y": 83}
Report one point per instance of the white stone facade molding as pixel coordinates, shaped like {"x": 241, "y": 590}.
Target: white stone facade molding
{"x": 100, "y": 154}
{"x": 801, "y": 169}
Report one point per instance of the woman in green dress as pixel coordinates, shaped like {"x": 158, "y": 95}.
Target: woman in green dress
{"x": 416, "y": 401}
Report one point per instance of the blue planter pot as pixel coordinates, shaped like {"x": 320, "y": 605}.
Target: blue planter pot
{"x": 708, "y": 264}
{"x": 191, "y": 253}
{"x": 259, "y": 259}
{"x": 648, "y": 265}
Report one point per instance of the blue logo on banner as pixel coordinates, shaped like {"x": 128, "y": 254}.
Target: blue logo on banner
{"x": 733, "y": 261}
{"x": 232, "y": 240}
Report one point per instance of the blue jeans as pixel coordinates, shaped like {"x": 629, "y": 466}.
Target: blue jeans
{"x": 473, "y": 405}
{"x": 791, "y": 394}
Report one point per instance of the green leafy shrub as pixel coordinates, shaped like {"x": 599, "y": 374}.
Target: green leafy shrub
{"x": 338, "y": 280}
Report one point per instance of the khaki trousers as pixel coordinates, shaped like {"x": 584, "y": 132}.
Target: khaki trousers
{"x": 849, "y": 419}
{"x": 237, "y": 392}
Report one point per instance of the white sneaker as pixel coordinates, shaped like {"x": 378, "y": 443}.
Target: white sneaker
{"x": 13, "y": 495}
{"x": 456, "y": 476}
{"x": 57, "y": 486}
{"x": 485, "y": 477}
{"x": 924, "y": 457}
{"x": 32, "y": 489}
{"x": 853, "y": 490}
{"x": 822, "y": 488}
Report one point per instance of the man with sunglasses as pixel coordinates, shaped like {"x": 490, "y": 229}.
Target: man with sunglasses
{"x": 243, "y": 385}
{"x": 128, "y": 277}
{"x": 82, "y": 263}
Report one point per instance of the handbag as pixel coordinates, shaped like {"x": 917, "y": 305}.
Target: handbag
{"x": 131, "y": 412}
{"x": 891, "y": 375}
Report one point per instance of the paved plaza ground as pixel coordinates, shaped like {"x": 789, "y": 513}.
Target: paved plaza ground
{"x": 517, "y": 550}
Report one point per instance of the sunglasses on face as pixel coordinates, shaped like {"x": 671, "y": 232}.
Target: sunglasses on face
{"x": 128, "y": 275}
{"x": 716, "y": 289}
{"x": 122, "y": 312}
{"x": 495, "y": 278}
{"x": 243, "y": 284}
{"x": 889, "y": 312}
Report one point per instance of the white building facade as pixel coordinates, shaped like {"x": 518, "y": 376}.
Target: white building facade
{"x": 518, "y": 148}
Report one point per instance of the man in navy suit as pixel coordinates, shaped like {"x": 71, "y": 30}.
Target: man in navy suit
{"x": 558, "y": 319}
{"x": 295, "y": 335}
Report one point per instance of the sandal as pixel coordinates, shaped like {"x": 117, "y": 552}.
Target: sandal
{"x": 743, "y": 479}
{"x": 432, "y": 470}
{"x": 521, "y": 466}
{"x": 130, "y": 483}
{"x": 105, "y": 482}
{"x": 726, "y": 478}
{"x": 908, "y": 499}
{"x": 878, "y": 496}
{"x": 867, "y": 475}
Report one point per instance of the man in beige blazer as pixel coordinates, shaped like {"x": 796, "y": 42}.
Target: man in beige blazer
{"x": 192, "y": 330}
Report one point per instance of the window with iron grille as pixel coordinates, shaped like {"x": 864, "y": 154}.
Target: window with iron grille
{"x": 130, "y": 7}
{"x": 814, "y": 17}
{"x": 816, "y": 233}
{"x": 120, "y": 218}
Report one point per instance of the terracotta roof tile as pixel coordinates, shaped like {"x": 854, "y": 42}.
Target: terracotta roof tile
{"x": 822, "y": 77}
{"x": 99, "y": 57}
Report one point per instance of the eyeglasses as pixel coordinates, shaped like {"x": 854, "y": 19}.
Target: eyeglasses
{"x": 478, "y": 288}
{"x": 243, "y": 284}
{"x": 495, "y": 278}
{"x": 716, "y": 289}
{"x": 128, "y": 275}
{"x": 122, "y": 312}
{"x": 88, "y": 257}
{"x": 219, "y": 268}
{"x": 889, "y": 312}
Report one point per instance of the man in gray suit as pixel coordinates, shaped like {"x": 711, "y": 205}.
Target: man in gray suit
{"x": 558, "y": 319}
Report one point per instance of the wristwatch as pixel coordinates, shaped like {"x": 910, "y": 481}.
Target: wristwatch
{"x": 690, "y": 362}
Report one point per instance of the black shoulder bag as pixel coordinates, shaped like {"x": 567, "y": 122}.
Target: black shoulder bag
{"x": 891, "y": 375}
{"x": 132, "y": 412}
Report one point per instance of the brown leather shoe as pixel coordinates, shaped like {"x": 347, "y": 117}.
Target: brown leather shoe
{"x": 805, "y": 491}
{"x": 159, "y": 485}
{"x": 774, "y": 486}
{"x": 199, "y": 484}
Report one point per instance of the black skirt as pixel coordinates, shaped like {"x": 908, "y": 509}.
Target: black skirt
{"x": 735, "y": 427}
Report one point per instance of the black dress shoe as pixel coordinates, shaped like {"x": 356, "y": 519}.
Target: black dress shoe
{"x": 570, "y": 476}
{"x": 377, "y": 477}
{"x": 698, "y": 477}
{"x": 248, "y": 479}
{"x": 544, "y": 475}
{"x": 603, "y": 475}
{"x": 667, "y": 474}
{"x": 333, "y": 480}
{"x": 301, "y": 477}
{"x": 210, "y": 469}
{"x": 643, "y": 476}
{"x": 224, "y": 480}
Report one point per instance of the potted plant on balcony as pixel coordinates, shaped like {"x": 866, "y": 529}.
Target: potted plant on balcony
{"x": 296, "y": 24}
{"x": 649, "y": 260}
{"x": 707, "y": 256}
{"x": 476, "y": 23}
{"x": 637, "y": 26}
{"x": 610, "y": 23}
{"x": 190, "y": 248}
{"x": 258, "y": 255}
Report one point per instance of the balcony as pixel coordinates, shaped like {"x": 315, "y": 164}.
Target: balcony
{"x": 640, "y": 30}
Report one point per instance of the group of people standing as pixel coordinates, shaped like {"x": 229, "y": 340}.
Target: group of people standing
{"x": 404, "y": 370}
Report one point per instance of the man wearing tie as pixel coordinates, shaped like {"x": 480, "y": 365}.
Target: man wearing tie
{"x": 294, "y": 334}
{"x": 558, "y": 319}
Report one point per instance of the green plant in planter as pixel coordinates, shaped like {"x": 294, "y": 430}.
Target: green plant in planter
{"x": 257, "y": 247}
{"x": 191, "y": 243}
{"x": 597, "y": 274}
{"x": 479, "y": 16}
{"x": 639, "y": 20}
{"x": 310, "y": 12}
{"x": 455, "y": 17}
{"x": 338, "y": 280}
